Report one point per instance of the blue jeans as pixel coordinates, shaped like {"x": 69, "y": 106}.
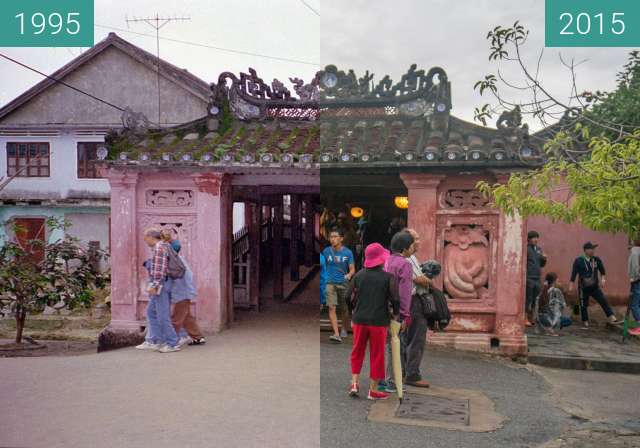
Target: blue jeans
{"x": 635, "y": 300}
{"x": 160, "y": 330}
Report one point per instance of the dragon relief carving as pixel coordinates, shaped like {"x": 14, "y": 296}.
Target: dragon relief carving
{"x": 466, "y": 262}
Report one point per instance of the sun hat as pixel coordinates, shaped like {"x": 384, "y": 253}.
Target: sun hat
{"x": 375, "y": 255}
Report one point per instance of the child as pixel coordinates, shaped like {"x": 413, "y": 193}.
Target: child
{"x": 375, "y": 293}
{"x": 551, "y": 304}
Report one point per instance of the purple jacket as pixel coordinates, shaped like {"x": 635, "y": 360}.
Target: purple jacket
{"x": 401, "y": 269}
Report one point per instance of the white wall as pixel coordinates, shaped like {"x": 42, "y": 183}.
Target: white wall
{"x": 63, "y": 181}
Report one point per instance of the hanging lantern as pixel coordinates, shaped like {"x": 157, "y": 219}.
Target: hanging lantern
{"x": 357, "y": 212}
{"x": 401, "y": 202}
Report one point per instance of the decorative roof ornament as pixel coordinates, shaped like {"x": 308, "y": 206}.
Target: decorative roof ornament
{"x": 250, "y": 98}
{"x": 342, "y": 89}
{"x": 510, "y": 119}
{"x": 135, "y": 122}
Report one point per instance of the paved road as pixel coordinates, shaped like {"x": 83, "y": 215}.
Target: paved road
{"x": 519, "y": 394}
{"x": 255, "y": 385}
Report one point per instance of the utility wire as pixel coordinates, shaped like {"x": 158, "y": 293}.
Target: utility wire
{"x": 309, "y": 6}
{"x": 196, "y": 44}
{"x": 61, "y": 82}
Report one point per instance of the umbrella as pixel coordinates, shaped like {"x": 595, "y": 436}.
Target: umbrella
{"x": 394, "y": 327}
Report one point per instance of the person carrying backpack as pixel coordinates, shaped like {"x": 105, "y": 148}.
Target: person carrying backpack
{"x": 589, "y": 272}
{"x": 161, "y": 335}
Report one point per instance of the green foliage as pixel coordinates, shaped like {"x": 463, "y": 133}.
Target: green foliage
{"x": 620, "y": 107}
{"x": 28, "y": 284}
{"x": 591, "y": 172}
{"x": 602, "y": 191}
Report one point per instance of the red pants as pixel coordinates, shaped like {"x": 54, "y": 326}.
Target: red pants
{"x": 377, "y": 337}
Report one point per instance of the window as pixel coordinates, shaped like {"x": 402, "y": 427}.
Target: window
{"x": 28, "y": 159}
{"x": 86, "y": 160}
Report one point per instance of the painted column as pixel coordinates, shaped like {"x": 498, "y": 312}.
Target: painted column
{"x": 511, "y": 287}
{"x": 423, "y": 204}
{"x": 309, "y": 232}
{"x": 294, "y": 262}
{"x": 212, "y": 253}
{"x": 124, "y": 256}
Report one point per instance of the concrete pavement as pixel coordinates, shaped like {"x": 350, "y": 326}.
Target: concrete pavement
{"x": 518, "y": 393}
{"x": 256, "y": 385}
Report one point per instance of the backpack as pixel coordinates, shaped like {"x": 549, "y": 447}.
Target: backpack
{"x": 176, "y": 267}
{"x": 442, "y": 315}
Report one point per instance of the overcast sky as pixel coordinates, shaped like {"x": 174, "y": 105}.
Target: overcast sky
{"x": 281, "y": 28}
{"x": 387, "y": 37}
{"x": 378, "y": 35}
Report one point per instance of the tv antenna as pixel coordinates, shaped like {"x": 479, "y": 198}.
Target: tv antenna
{"x": 157, "y": 23}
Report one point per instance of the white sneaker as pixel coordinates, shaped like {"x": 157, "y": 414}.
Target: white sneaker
{"x": 185, "y": 340}
{"x": 343, "y": 333}
{"x": 148, "y": 346}
{"x": 168, "y": 349}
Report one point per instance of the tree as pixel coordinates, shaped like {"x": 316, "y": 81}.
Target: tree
{"x": 28, "y": 284}
{"x": 590, "y": 167}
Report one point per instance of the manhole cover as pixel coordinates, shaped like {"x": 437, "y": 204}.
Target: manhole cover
{"x": 430, "y": 407}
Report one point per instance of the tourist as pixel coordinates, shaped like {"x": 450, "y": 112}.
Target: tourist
{"x": 586, "y": 272}
{"x": 340, "y": 269}
{"x": 416, "y": 333}
{"x": 375, "y": 295}
{"x": 634, "y": 278}
{"x": 551, "y": 304}
{"x": 398, "y": 265}
{"x": 161, "y": 335}
{"x": 183, "y": 291}
{"x": 536, "y": 260}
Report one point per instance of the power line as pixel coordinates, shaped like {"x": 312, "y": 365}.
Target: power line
{"x": 229, "y": 50}
{"x": 62, "y": 82}
{"x": 309, "y": 6}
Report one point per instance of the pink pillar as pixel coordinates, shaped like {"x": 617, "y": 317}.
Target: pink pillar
{"x": 212, "y": 253}
{"x": 124, "y": 328}
{"x": 512, "y": 247}
{"x": 124, "y": 256}
{"x": 423, "y": 204}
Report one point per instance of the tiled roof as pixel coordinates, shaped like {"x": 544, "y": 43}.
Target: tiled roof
{"x": 204, "y": 141}
{"x": 338, "y": 121}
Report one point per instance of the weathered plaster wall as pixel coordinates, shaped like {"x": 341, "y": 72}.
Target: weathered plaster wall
{"x": 563, "y": 243}
{"x": 88, "y": 223}
{"x": 117, "y": 78}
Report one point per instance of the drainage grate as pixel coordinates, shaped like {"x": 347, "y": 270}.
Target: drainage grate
{"x": 433, "y": 408}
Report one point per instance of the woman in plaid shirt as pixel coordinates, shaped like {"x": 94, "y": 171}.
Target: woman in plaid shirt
{"x": 161, "y": 335}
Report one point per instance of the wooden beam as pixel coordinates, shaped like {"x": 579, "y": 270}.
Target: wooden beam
{"x": 294, "y": 261}
{"x": 277, "y": 272}
{"x": 309, "y": 229}
{"x": 254, "y": 222}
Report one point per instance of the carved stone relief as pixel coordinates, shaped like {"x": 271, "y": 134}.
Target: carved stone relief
{"x": 169, "y": 198}
{"x": 466, "y": 262}
{"x": 463, "y": 199}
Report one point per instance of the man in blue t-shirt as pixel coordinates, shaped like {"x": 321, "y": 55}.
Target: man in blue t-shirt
{"x": 340, "y": 267}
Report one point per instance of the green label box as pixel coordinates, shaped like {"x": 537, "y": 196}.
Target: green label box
{"x": 46, "y": 23}
{"x": 592, "y": 23}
